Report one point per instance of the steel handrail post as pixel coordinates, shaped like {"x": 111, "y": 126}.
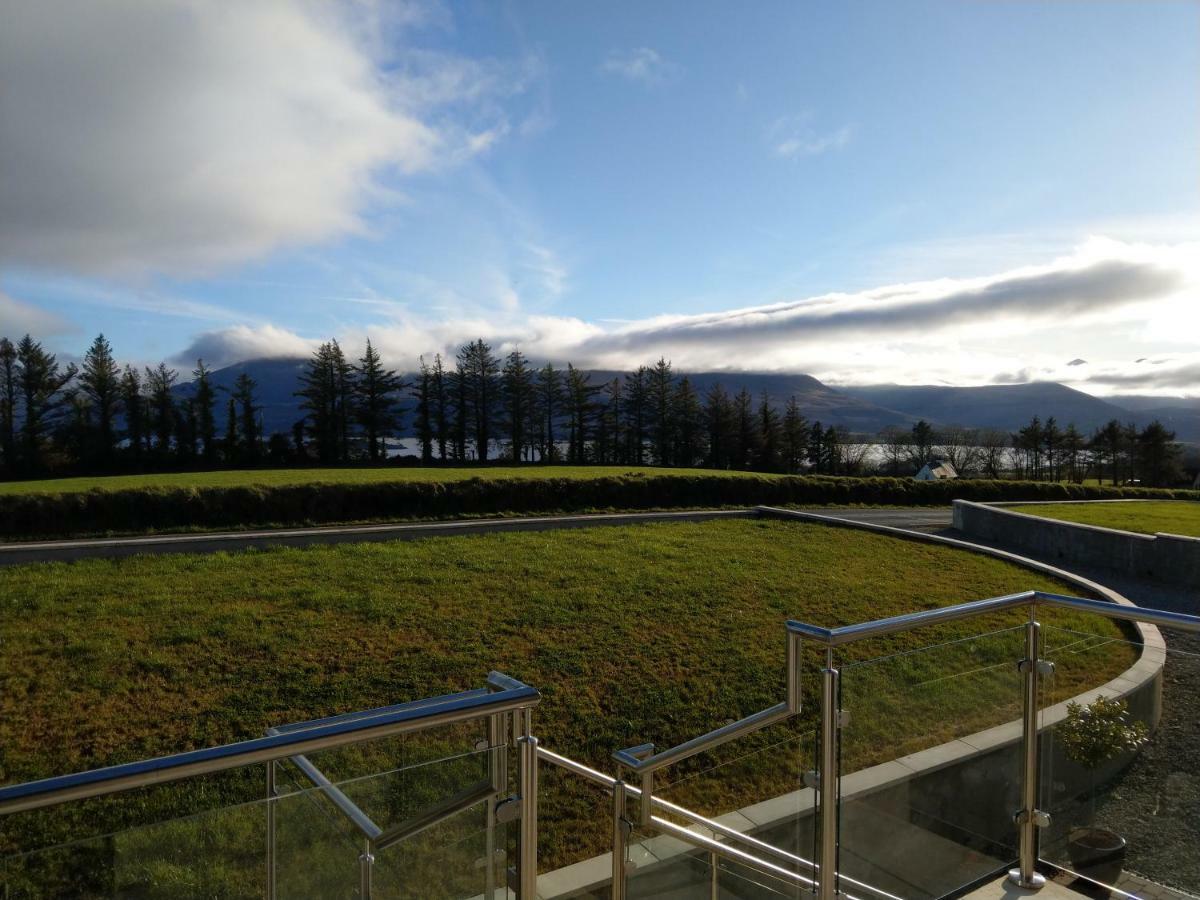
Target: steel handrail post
{"x": 1029, "y": 818}
{"x": 828, "y": 783}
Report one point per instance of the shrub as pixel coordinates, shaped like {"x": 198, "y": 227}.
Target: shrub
{"x": 157, "y": 508}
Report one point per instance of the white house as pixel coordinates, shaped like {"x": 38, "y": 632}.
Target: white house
{"x": 936, "y": 470}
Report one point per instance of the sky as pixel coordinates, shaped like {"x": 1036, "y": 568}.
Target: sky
{"x": 967, "y": 192}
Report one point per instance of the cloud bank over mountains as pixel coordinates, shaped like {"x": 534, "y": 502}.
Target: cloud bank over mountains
{"x": 941, "y": 330}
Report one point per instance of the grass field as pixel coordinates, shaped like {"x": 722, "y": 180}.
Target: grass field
{"x": 640, "y": 633}
{"x": 1144, "y": 516}
{"x": 349, "y": 475}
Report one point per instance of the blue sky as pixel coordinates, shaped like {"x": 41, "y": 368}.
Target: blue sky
{"x": 901, "y": 191}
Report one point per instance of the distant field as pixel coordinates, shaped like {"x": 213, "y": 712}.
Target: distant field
{"x": 639, "y": 633}
{"x": 1144, "y": 516}
{"x": 277, "y": 477}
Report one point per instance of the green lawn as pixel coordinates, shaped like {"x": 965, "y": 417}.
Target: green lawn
{"x": 1144, "y": 516}
{"x": 348, "y": 475}
{"x": 641, "y": 633}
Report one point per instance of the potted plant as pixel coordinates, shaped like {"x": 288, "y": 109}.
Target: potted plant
{"x": 1092, "y": 735}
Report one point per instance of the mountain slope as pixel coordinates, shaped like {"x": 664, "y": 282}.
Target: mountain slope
{"x": 1003, "y": 406}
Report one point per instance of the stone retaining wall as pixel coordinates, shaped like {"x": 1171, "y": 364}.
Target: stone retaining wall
{"x": 1166, "y": 557}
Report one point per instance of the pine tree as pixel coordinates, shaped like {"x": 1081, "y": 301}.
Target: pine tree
{"x": 1158, "y": 453}
{"x": 614, "y": 423}
{"x": 40, "y": 384}
{"x": 424, "y": 419}
{"x": 795, "y": 437}
{"x": 457, "y": 387}
{"x": 922, "y": 443}
{"x": 8, "y": 404}
{"x": 831, "y": 451}
{"x": 1052, "y": 442}
{"x": 549, "y": 396}
{"x": 343, "y": 410}
{"x": 480, "y": 370}
{"x": 377, "y": 409}
{"x": 186, "y": 429}
{"x": 319, "y": 398}
{"x": 745, "y": 431}
{"x": 231, "y": 433}
{"x": 581, "y": 411}
{"x": 134, "y": 406}
{"x": 247, "y": 410}
{"x": 517, "y": 392}
{"x": 689, "y": 424}
{"x": 441, "y": 406}
{"x": 100, "y": 382}
{"x": 205, "y": 403}
{"x": 159, "y": 382}
{"x": 661, "y": 391}
{"x": 817, "y": 456}
{"x": 637, "y": 411}
{"x": 718, "y": 418}
{"x": 769, "y": 437}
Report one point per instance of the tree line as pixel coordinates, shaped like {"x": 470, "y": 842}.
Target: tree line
{"x": 1042, "y": 450}
{"x": 479, "y": 407}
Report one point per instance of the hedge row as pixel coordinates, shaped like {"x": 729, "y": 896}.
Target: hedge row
{"x": 154, "y": 509}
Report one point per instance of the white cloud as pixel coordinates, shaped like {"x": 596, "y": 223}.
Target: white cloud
{"x": 792, "y": 137}
{"x": 954, "y": 330}
{"x": 18, "y": 319}
{"x": 181, "y": 136}
{"x": 641, "y": 64}
{"x": 241, "y": 342}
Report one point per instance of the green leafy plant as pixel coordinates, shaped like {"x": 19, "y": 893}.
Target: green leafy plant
{"x": 1100, "y": 731}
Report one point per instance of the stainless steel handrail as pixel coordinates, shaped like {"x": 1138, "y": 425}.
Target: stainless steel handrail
{"x": 404, "y": 718}
{"x": 835, "y": 637}
{"x": 642, "y": 760}
{"x": 608, "y": 782}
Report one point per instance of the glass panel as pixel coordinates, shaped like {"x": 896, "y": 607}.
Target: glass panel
{"x": 439, "y": 807}
{"x": 754, "y": 785}
{"x": 739, "y": 882}
{"x": 930, "y": 749}
{"x": 1121, "y": 761}
{"x": 661, "y": 866}
{"x": 574, "y": 835}
{"x": 219, "y": 853}
{"x": 447, "y": 861}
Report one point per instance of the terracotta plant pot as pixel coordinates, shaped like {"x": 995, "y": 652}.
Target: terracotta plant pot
{"x": 1097, "y": 853}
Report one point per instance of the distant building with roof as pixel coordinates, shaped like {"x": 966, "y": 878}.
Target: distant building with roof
{"x": 936, "y": 470}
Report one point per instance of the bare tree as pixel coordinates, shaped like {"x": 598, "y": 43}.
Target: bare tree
{"x": 960, "y": 447}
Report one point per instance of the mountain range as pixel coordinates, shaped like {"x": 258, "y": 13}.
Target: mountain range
{"x": 860, "y": 408}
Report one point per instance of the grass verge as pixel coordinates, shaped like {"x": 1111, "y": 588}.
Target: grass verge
{"x": 1144, "y": 517}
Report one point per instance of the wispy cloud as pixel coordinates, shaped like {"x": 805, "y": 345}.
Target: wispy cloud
{"x": 641, "y": 64}
{"x": 18, "y": 318}
{"x": 794, "y": 137}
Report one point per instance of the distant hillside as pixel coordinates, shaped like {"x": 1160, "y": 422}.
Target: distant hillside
{"x": 817, "y": 400}
{"x": 866, "y": 409}
{"x": 278, "y": 380}
{"x": 1004, "y": 406}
